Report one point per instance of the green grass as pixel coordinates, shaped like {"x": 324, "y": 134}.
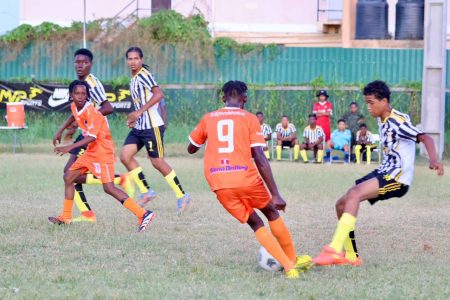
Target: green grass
{"x": 207, "y": 254}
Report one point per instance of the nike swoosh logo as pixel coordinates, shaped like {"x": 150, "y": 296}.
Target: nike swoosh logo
{"x": 59, "y": 97}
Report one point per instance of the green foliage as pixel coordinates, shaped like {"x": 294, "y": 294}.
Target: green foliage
{"x": 223, "y": 45}
{"x": 23, "y": 33}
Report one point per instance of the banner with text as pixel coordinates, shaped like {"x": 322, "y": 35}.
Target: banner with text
{"x": 54, "y": 97}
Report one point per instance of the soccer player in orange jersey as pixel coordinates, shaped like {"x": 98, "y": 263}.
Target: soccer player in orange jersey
{"x": 98, "y": 158}
{"x": 234, "y": 139}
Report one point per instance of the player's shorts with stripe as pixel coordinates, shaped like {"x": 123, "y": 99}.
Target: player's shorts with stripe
{"x": 388, "y": 186}
{"x": 79, "y": 150}
{"x": 152, "y": 139}
{"x": 240, "y": 202}
{"x": 102, "y": 170}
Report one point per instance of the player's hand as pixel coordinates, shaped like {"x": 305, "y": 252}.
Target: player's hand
{"x": 61, "y": 150}
{"x": 434, "y": 165}
{"x": 279, "y": 202}
{"x": 57, "y": 138}
{"x": 132, "y": 118}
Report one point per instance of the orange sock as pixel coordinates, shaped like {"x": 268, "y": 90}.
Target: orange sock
{"x": 134, "y": 208}
{"x": 282, "y": 234}
{"x": 267, "y": 240}
{"x": 67, "y": 209}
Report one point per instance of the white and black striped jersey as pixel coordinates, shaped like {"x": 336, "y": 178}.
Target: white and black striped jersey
{"x": 398, "y": 140}
{"x": 313, "y": 135}
{"x": 266, "y": 130}
{"x": 96, "y": 90}
{"x": 141, "y": 91}
{"x": 366, "y": 140}
{"x": 285, "y": 132}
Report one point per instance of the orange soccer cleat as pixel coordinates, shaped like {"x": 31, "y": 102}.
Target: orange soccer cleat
{"x": 328, "y": 257}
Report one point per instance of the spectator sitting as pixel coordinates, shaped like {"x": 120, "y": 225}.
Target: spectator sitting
{"x": 286, "y": 137}
{"x": 314, "y": 136}
{"x": 266, "y": 131}
{"x": 364, "y": 142}
{"x": 340, "y": 140}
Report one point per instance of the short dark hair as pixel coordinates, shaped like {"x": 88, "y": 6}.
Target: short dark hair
{"x": 234, "y": 87}
{"x": 379, "y": 89}
{"x": 312, "y": 116}
{"x": 85, "y": 52}
{"x": 75, "y": 83}
{"x": 341, "y": 120}
{"x": 285, "y": 116}
{"x": 260, "y": 113}
{"x": 363, "y": 125}
{"x": 354, "y": 103}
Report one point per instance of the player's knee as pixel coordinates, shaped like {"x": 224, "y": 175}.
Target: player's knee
{"x": 320, "y": 147}
{"x": 279, "y": 142}
{"x": 355, "y": 194}
{"x": 108, "y": 189}
{"x": 68, "y": 178}
{"x": 255, "y": 222}
{"x": 340, "y": 204}
{"x": 124, "y": 159}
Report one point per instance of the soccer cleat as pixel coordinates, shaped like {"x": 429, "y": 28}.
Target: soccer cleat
{"x": 148, "y": 197}
{"x": 127, "y": 184}
{"x": 59, "y": 220}
{"x": 86, "y": 216}
{"x": 183, "y": 203}
{"x": 304, "y": 263}
{"x": 146, "y": 219}
{"x": 292, "y": 274}
{"x": 357, "y": 263}
{"x": 328, "y": 257}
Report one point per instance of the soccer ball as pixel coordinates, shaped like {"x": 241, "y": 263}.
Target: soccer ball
{"x": 266, "y": 261}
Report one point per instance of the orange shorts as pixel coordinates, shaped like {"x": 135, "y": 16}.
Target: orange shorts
{"x": 240, "y": 202}
{"x": 101, "y": 170}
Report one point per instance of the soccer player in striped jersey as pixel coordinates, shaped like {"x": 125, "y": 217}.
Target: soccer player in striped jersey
{"x": 83, "y": 62}
{"x": 147, "y": 130}
{"x": 99, "y": 157}
{"x": 314, "y": 136}
{"x": 286, "y": 137}
{"x": 364, "y": 143}
{"x": 391, "y": 179}
{"x": 267, "y": 132}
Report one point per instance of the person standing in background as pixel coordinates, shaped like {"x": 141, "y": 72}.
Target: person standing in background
{"x": 323, "y": 109}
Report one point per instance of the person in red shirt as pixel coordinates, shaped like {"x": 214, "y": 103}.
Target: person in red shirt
{"x": 323, "y": 110}
{"x": 234, "y": 140}
{"x": 99, "y": 157}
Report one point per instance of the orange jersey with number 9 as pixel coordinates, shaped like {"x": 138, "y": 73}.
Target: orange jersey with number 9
{"x": 230, "y": 133}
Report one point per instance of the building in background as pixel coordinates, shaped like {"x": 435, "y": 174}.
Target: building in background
{"x": 318, "y": 23}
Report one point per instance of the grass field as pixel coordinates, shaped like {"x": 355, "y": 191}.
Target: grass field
{"x": 205, "y": 253}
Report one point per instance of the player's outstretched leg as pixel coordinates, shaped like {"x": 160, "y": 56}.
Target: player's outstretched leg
{"x": 284, "y": 238}
{"x": 183, "y": 198}
{"x": 87, "y": 215}
{"x": 351, "y": 253}
{"x": 268, "y": 241}
{"x": 144, "y": 216}
{"x": 65, "y": 217}
{"x": 332, "y": 254}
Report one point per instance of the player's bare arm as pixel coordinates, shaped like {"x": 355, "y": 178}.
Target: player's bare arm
{"x": 61, "y": 150}
{"x": 434, "y": 164}
{"x": 58, "y": 134}
{"x": 156, "y": 97}
{"x": 106, "y": 108}
{"x": 266, "y": 173}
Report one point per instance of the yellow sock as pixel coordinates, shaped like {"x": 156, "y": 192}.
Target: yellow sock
{"x": 368, "y": 154}
{"x": 296, "y": 151}
{"x": 81, "y": 205}
{"x": 174, "y": 183}
{"x": 268, "y": 241}
{"x": 304, "y": 156}
{"x": 138, "y": 177}
{"x": 134, "y": 208}
{"x": 350, "y": 247}
{"x": 284, "y": 238}
{"x": 278, "y": 152}
{"x": 345, "y": 225}
{"x": 91, "y": 179}
{"x": 117, "y": 179}
{"x": 358, "y": 153}
{"x": 67, "y": 209}
{"x": 267, "y": 153}
{"x": 319, "y": 155}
